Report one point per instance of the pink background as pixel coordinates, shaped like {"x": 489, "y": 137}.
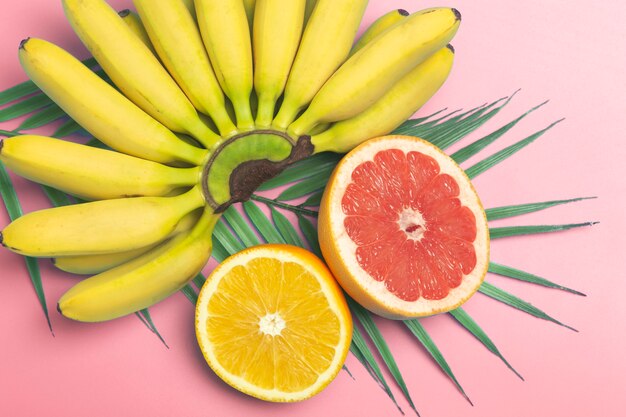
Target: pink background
{"x": 570, "y": 52}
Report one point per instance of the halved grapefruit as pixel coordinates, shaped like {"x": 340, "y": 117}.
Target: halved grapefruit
{"x": 403, "y": 229}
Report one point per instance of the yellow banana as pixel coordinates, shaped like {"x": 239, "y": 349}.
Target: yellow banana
{"x": 91, "y": 173}
{"x": 100, "y": 108}
{"x": 94, "y": 264}
{"x": 134, "y": 69}
{"x": 177, "y": 40}
{"x": 104, "y": 226}
{"x": 144, "y": 281}
{"x": 226, "y": 35}
{"x": 276, "y": 35}
{"x": 368, "y": 74}
{"x": 250, "y": 6}
{"x": 379, "y": 26}
{"x": 392, "y": 109}
{"x": 325, "y": 44}
{"x": 135, "y": 24}
{"x": 310, "y": 5}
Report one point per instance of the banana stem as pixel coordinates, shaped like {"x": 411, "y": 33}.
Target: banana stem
{"x": 265, "y": 112}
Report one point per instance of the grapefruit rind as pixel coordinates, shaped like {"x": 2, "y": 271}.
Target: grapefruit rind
{"x": 332, "y": 291}
{"x": 339, "y": 249}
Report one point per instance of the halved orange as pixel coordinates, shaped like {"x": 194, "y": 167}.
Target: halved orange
{"x": 403, "y": 229}
{"x": 273, "y": 323}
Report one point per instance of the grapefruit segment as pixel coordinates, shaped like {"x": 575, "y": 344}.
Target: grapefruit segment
{"x": 402, "y": 228}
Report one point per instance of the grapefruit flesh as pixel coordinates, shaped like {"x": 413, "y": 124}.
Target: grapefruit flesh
{"x": 402, "y": 228}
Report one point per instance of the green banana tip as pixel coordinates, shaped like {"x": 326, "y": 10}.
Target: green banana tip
{"x": 403, "y": 12}
{"x": 24, "y": 42}
{"x": 124, "y": 13}
{"x": 457, "y": 14}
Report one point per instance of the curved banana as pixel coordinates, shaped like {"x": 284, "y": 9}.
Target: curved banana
{"x": 103, "y": 111}
{"x": 379, "y": 26}
{"x": 368, "y": 74}
{"x": 392, "y": 109}
{"x": 144, "y": 281}
{"x": 177, "y": 40}
{"x": 226, "y": 35}
{"x": 104, "y": 226}
{"x": 276, "y": 36}
{"x": 94, "y": 264}
{"x": 88, "y": 172}
{"x": 134, "y": 69}
{"x": 325, "y": 44}
{"x": 135, "y": 24}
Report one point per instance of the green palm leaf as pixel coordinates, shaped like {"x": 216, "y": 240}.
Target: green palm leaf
{"x": 144, "y": 316}
{"x": 516, "y": 302}
{"x": 240, "y": 227}
{"x": 262, "y": 224}
{"x": 43, "y": 117}
{"x": 377, "y": 338}
{"x": 502, "y": 232}
{"x": 500, "y": 156}
{"x": 69, "y": 127}
{"x": 310, "y": 234}
{"x": 497, "y": 213}
{"x": 363, "y": 353}
{"x": 472, "y": 149}
{"x": 286, "y": 229}
{"x": 24, "y": 107}
{"x": 470, "y": 325}
{"x": 507, "y": 271}
{"x": 420, "y": 333}
{"x": 14, "y": 209}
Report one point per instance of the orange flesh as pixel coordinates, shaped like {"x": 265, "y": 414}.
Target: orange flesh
{"x": 305, "y": 341}
{"x": 410, "y": 228}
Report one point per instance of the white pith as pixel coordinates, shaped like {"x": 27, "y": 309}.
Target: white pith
{"x": 272, "y": 324}
{"x": 410, "y": 219}
{"x": 395, "y": 306}
{"x": 210, "y": 287}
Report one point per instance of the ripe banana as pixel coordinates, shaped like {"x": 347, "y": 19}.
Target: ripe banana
{"x": 134, "y": 69}
{"x": 392, "y": 109}
{"x": 104, "y": 226}
{"x": 276, "y": 35}
{"x": 325, "y": 44}
{"x": 94, "y": 264}
{"x": 379, "y": 26}
{"x": 100, "y": 108}
{"x": 177, "y": 40}
{"x": 226, "y": 35}
{"x": 378, "y": 66}
{"x": 144, "y": 281}
{"x": 135, "y": 24}
{"x": 91, "y": 173}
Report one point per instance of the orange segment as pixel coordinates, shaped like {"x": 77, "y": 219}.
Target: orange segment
{"x": 272, "y": 322}
{"x": 403, "y": 229}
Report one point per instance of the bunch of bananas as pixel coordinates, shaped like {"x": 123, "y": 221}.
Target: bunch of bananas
{"x": 202, "y": 101}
